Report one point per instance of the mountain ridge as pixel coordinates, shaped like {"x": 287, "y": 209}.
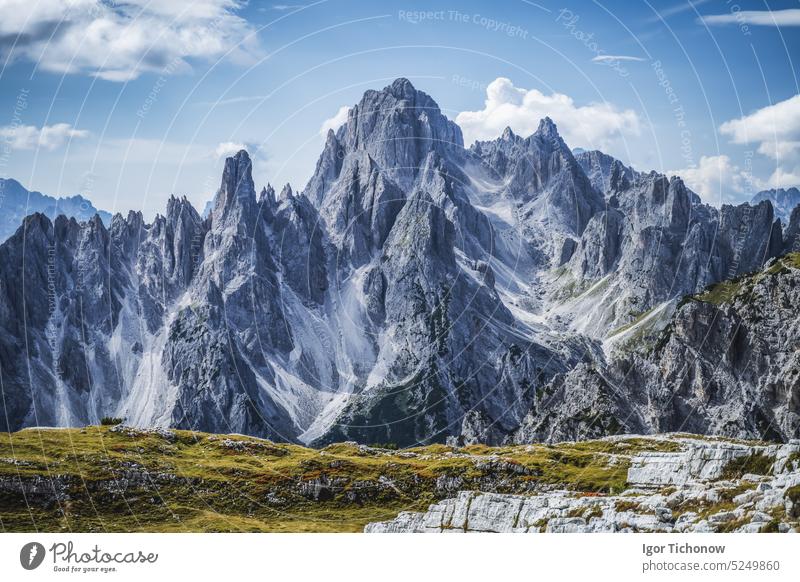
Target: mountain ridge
{"x": 413, "y": 291}
{"x": 17, "y": 202}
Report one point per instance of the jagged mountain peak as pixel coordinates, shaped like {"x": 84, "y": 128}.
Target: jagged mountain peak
{"x": 547, "y": 128}
{"x": 95, "y": 225}
{"x": 410, "y": 275}
{"x": 397, "y": 127}
{"x": 607, "y": 174}
{"x": 237, "y": 184}
{"x": 540, "y": 172}
{"x": 286, "y": 192}
{"x": 38, "y": 221}
{"x": 176, "y": 206}
{"x": 402, "y": 88}
{"x": 267, "y": 195}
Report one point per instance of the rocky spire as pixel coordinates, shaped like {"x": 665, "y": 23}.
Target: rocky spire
{"x": 286, "y": 192}
{"x": 547, "y": 128}
{"x": 267, "y": 195}
{"x": 328, "y": 168}
{"x": 508, "y": 134}
{"x": 237, "y": 184}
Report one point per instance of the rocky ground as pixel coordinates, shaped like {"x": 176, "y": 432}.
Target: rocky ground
{"x": 709, "y": 485}
{"x": 124, "y": 479}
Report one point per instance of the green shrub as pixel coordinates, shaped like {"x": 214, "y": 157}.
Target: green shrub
{"x": 111, "y": 421}
{"x": 771, "y": 527}
{"x": 793, "y": 494}
{"x": 756, "y": 464}
{"x": 627, "y": 506}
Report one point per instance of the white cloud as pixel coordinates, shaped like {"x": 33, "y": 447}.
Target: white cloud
{"x": 774, "y": 124}
{"x": 118, "y": 41}
{"x": 788, "y": 17}
{"x": 229, "y": 148}
{"x": 607, "y": 58}
{"x": 335, "y": 122}
{"x": 717, "y": 179}
{"x": 781, "y": 178}
{"x": 49, "y": 137}
{"x": 776, "y": 130}
{"x": 591, "y": 126}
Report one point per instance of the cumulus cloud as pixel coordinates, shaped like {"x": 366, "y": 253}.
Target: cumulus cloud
{"x": 118, "y": 41}
{"x": 49, "y": 137}
{"x": 717, "y": 179}
{"x": 784, "y": 178}
{"x": 229, "y": 148}
{"x": 335, "y": 122}
{"x": 788, "y": 17}
{"x": 773, "y": 126}
{"x": 776, "y": 130}
{"x": 595, "y": 125}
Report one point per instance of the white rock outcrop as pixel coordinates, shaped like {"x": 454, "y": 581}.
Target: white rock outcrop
{"x": 681, "y": 491}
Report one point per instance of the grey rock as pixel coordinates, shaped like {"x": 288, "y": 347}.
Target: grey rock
{"x": 784, "y": 201}
{"x": 571, "y": 512}
{"x": 414, "y": 291}
{"x": 17, "y": 202}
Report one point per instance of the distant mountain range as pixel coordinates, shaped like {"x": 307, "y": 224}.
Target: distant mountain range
{"x": 16, "y": 202}
{"x": 783, "y": 200}
{"x": 414, "y": 291}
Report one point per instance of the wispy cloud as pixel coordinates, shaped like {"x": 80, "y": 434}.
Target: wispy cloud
{"x": 335, "y": 122}
{"x": 675, "y": 9}
{"x": 49, "y": 137}
{"x": 231, "y": 100}
{"x": 608, "y": 58}
{"x": 228, "y": 148}
{"x": 788, "y": 17}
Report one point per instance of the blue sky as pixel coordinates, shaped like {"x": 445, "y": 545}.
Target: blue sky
{"x": 129, "y": 102}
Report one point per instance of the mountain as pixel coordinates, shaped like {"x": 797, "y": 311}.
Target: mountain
{"x": 784, "y": 200}
{"x": 414, "y": 291}
{"x": 606, "y": 173}
{"x": 17, "y": 203}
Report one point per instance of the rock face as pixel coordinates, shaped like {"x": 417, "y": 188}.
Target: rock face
{"x": 784, "y": 200}
{"x": 701, "y": 488}
{"x": 655, "y": 242}
{"x": 607, "y": 174}
{"x": 726, "y": 363}
{"x": 16, "y": 202}
{"x": 414, "y": 291}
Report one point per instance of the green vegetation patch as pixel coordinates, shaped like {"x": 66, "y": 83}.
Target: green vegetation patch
{"x": 118, "y": 478}
{"x": 755, "y": 464}
{"x": 722, "y": 292}
{"x": 726, "y": 291}
{"x": 793, "y": 494}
